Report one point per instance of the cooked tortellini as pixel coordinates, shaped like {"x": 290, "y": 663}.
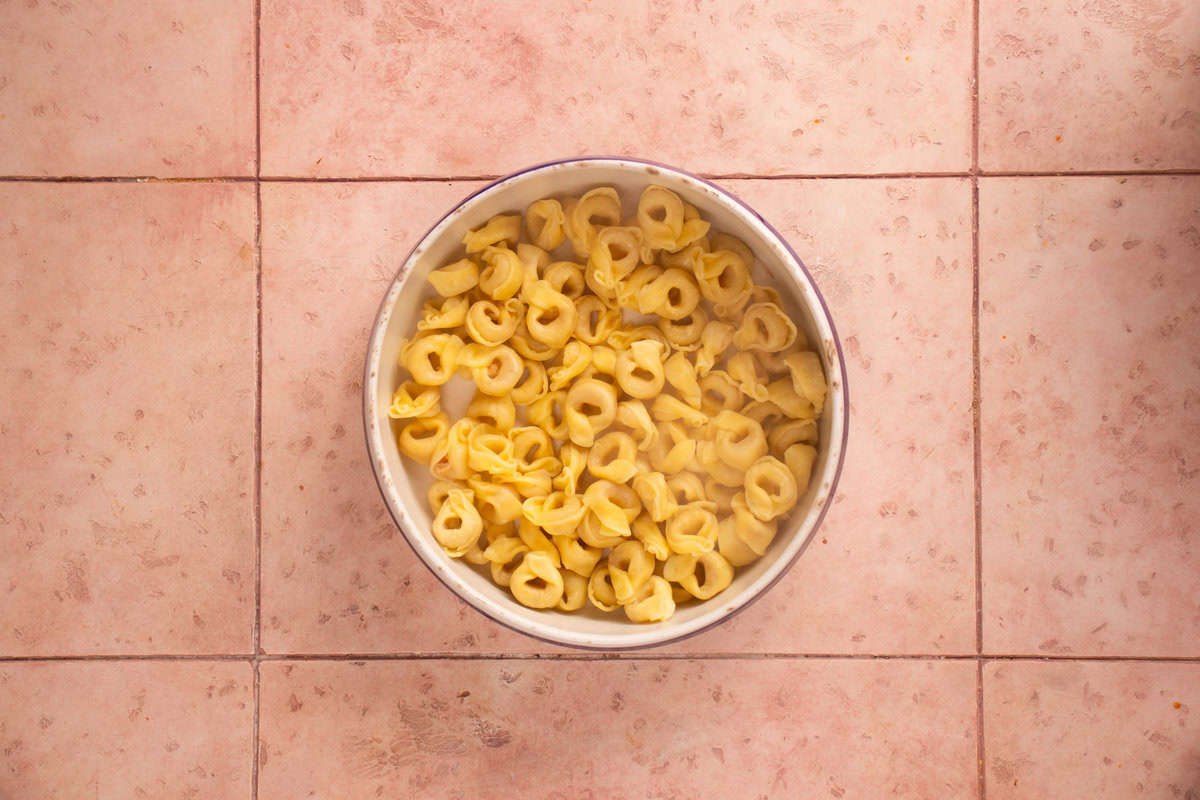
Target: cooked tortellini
{"x": 642, "y": 415}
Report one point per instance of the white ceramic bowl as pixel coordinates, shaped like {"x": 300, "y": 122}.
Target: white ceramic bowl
{"x": 404, "y": 483}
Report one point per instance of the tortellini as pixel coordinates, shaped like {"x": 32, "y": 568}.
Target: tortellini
{"x": 642, "y": 415}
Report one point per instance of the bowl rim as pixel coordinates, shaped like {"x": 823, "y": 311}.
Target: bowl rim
{"x": 645, "y": 635}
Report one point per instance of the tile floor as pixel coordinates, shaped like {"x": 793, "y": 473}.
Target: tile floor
{"x": 203, "y": 596}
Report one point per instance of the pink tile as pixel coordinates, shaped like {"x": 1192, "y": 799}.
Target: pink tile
{"x": 1089, "y": 331}
{"x": 126, "y": 729}
{"x": 127, "y": 357}
{"x": 337, "y": 574}
{"x": 376, "y": 87}
{"x": 895, "y": 572}
{"x": 1065, "y": 85}
{"x": 1087, "y": 729}
{"x": 662, "y": 729}
{"x": 110, "y": 88}
{"x": 892, "y": 568}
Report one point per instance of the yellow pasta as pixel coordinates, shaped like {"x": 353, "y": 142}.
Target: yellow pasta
{"x": 457, "y": 525}
{"x": 500, "y": 228}
{"x": 765, "y": 327}
{"x": 490, "y": 323}
{"x": 450, "y": 314}
{"x": 770, "y": 488}
{"x": 418, "y": 438}
{"x": 503, "y": 275}
{"x": 455, "y": 279}
{"x": 584, "y": 217}
{"x": 644, "y": 418}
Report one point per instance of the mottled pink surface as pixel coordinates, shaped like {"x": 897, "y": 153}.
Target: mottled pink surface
{"x": 600, "y": 729}
{"x": 1090, "y": 339}
{"x": 157, "y": 337}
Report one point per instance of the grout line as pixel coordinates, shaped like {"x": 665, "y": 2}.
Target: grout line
{"x": 258, "y": 395}
{"x": 979, "y": 737}
{"x": 973, "y": 172}
{"x": 254, "y": 734}
{"x": 587, "y": 656}
{"x": 976, "y": 400}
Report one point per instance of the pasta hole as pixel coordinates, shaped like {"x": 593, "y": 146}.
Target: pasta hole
{"x": 423, "y": 433}
{"x": 658, "y": 214}
{"x": 593, "y": 320}
{"x": 701, "y": 573}
{"x": 725, "y": 279}
{"x": 548, "y": 315}
{"x": 537, "y": 584}
{"x": 618, "y": 251}
{"x": 674, "y": 296}
{"x": 760, "y": 328}
{"x": 589, "y": 409}
{"x": 642, "y": 374}
{"x": 492, "y": 313}
{"x": 740, "y": 436}
{"x": 769, "y": 485}
{"x": 684, "y": 323}
{"x": 452, "y": 523}
{"x": 435, "y": 362}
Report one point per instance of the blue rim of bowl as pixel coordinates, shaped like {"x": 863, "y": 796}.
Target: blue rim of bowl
{"x": 837, "y": 344}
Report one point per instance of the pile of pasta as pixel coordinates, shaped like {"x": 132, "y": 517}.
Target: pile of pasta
{"x": 644, "y": 414}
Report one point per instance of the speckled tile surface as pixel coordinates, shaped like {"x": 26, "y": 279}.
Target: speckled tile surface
{"x": 1078, "y": 730}
{"x": 127, "y": 358}
{"x": 562, "y": 729}
{"x": 126, "y": 729}
{"x": 1089, "y": 336}
{"x": 105, "y": 88}
{"x": 202, "y": 595}
{"x": 405, "y": 87}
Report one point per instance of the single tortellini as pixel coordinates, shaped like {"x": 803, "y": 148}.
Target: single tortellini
{"x": 808, "y": 378}
{"x": 495, "y": 370}
{"x": 494, "y": 412}
{"x": 612, "y": 457}
{"x": 454, "y": 279}
{"x": 577, "y": 556}
{"x": 629, "y": 566}
{"x": 681, "y": 374}
{"x": 537, "y": 583}
{"x": 551, "y": 315}
{"x": 533, "y": 383}
{"x": 684, "y": 333}
{"x": 504, "y": 556}
{"x": 432, "y": 359}
{"x": 672, "y": 295}
{"x": 693, "y": 530}
{"x": 575, "y": 589}
{"x": 719, "y": 392}
{"x": 544, "y": 222}
{"x": 743, "y": 537}
{"x": 635, "y": 417}
{"x": 503, "y": 275}
{"x": 770, "y": 488}
{"x": 574, "y": 461}
{"x": 566, "y": 277}
{"x": 715, "y": 339}
{"x": 790, "y": 432}
{"x": 765, "y": 327}
{"x": 799, "y": 459}
{"x": 497, "y": 503}
{"x": 576, "y": 358}
{"x": 647, "y": 531}
{"x": 724, "y": 278}
{"x": 653, "y": 602}
{"x": 491, "y": 323}
{"x": 739, "y": 441}
{"x": 594, "y": 320}
{"x": 413, "y": 399}
{"x": 614, "y": 505}
{"x": 600, "y": 589}
{"x": 656, "y": 496}
{"x": 661, "y": 217}
{"x": 590, "y": 407}
{"x": 500, "y": 228}
{"x": 448, "y": 461}
{"x": 672, "y": 450}
{"x": 557, "y": 513}
{"x": 598, "y": 208}
{"x": 702, "y": 575}
{"x": 639, "y": 369}
{"x": 458, "y": 524}
{"x": 450, "y": 314}
{"x": 751, "y": 378}
{"x": 419, "y": 438}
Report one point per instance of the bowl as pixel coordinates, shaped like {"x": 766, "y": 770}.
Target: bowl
{"x": 403, "y": 483}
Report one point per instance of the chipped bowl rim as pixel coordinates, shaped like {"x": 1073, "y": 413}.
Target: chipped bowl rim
{"x": 638, "y": 636}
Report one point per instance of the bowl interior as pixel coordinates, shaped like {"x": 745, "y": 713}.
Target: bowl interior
{"x": 404, "y": 482}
